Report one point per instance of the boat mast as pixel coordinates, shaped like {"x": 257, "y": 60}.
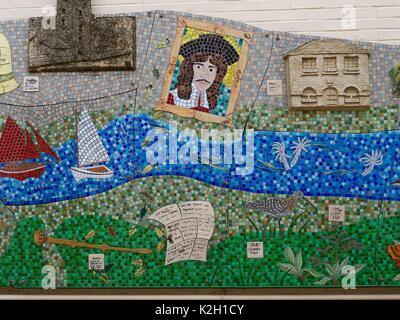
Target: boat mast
{"x": 76, "y": 133}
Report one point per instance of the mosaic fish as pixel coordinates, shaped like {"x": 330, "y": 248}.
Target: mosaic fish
{"x": 161, "y": 129}
{"x": 216, "y": 167}
{"x": 396, "y": 183}
{"x": 162, "y": 43}
{"x": 199, "y": 160}
{"x": 146, "y": 142}
{"x": 148, "y": 168}
{"x": 339, "y": 172}
{"x": 320, "y": 145}
{"x": 269, "y": 166}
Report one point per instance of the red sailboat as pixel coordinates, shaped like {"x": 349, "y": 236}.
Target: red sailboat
{"x": 16, "y": 145}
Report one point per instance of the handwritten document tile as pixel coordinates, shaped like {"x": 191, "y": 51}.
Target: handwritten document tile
{"x": 189, "y": 225}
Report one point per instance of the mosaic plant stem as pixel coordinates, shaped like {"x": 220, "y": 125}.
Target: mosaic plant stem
{"x": 40, "y": 238}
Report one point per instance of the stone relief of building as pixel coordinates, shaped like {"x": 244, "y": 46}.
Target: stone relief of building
{"x": 328, "y": 75}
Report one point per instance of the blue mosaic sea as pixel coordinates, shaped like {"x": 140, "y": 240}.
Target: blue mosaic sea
{"x": 330, "y": 167}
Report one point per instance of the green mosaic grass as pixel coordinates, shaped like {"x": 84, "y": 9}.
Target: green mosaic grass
{"x": 227, "y": 264}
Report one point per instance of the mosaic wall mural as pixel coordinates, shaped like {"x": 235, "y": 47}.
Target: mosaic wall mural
{"x": 105, "y": 183}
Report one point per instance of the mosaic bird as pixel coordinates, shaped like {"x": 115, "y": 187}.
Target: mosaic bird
{"x": 277, "y": 208}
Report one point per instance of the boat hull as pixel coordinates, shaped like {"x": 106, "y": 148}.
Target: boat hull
{"x": 22, "y": 171}
{"x": 96, "y": 172}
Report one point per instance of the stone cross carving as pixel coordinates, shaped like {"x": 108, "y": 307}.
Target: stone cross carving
{"x": 80, "y": 41}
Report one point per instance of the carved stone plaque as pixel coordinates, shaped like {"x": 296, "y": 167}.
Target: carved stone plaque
{"x": 78, "y": 41}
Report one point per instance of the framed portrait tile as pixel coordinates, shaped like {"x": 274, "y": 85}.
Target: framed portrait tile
{"x": 206, "y": 66}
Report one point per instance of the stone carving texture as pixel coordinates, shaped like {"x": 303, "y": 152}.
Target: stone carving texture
{"x": 328, "y": 75}
{"x": 80, "y": 41}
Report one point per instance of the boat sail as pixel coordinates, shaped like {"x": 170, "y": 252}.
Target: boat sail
{"x": 90, "y": 151}
{"x": 16, "y": 145}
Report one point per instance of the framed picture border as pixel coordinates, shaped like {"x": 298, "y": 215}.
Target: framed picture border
{"x": 174, "y": 55}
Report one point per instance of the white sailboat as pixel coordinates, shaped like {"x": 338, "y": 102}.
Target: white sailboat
{"x": 90, "y": 151}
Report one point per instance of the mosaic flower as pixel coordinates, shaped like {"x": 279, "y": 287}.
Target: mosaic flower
{"x": 159, "y": 232}
{"x": 138, "y": 262}
{"x": 370, "y": 161}
{"x": 132, "y": 231}
{"x": 160, "y": 246}
{"x": 279, "y": 150}
{"x": 299, "y": 147}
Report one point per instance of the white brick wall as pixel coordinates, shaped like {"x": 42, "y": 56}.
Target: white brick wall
{"x": 376, "y": 20}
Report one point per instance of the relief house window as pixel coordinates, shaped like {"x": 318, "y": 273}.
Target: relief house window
{"x": 310, "y": 66}
{"x": 330, "y": 65}
{"x": 351, "y": 65}
{"x": 331, "y": 97}
{"x": 309, "y": 96}
{"x": 351, "y": 95}
{"x": 63, "y": 23}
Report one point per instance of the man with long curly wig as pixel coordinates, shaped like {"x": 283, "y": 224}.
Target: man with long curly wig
{"x": 205, "y": 64}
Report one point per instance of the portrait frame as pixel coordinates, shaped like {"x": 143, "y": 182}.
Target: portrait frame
{"x": 227, "y": 119}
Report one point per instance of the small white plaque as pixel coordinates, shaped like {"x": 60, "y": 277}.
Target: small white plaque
{"x": 255, "y": 250}
{"x": 336, "y": 213}
{"x": 274, "y": 88}
{"x": 31, "y": 84}
{"x": 96, "y": 262}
